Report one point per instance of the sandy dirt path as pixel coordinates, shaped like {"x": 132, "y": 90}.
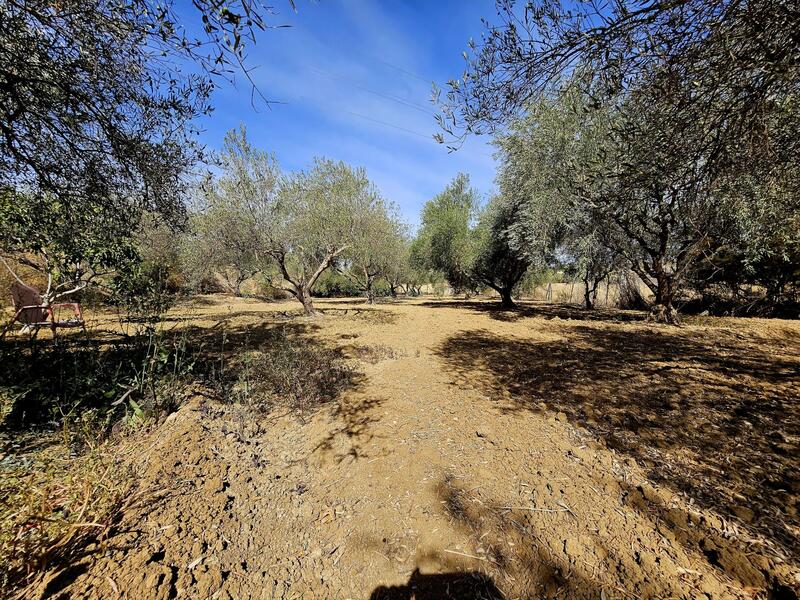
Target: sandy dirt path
{"x": 427, "y": 480}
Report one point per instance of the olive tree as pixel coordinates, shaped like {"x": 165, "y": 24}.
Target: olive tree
{"x": 376, "y": 251}
{"x": 445, "y": 238}
{"x": 228, "y": 227}
{"x": 317, "y": 219}
{"x": 551, "y": 160}
{"x": 740, "y": 60}
{"x": 296, "y": 225}
{"x": 97, "y": 100}
{"x": 402, "y": 276}
{"x": 701, "y": 94}
{"x": 97, "y": 108}
{"x": 219, "y": 245}
{"x": 497, "y": 264}
{"x": 420, "y": 271}
{"x": 472, "y": 247}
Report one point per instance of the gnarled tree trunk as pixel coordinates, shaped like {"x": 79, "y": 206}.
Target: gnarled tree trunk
{"x": 506, "y": 301}
{"x": 662, "y": 310}
{"x": 370, "y": 291}
{"x": 304, "y": 295}
{"x": 588, "y": 301}
{"x": 301, "y": 285}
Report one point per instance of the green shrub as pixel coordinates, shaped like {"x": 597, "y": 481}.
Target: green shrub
{"x": 332, "y": 284}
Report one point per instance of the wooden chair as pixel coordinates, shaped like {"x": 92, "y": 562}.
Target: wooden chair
{"x": 34, "y": 314}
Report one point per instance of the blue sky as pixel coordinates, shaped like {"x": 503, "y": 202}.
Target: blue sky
{"x": 355, "y": 77}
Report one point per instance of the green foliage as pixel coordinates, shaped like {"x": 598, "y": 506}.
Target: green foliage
{"x": 472, "y": 248}
{"x": 325, "y": 209}
{"x": 97, "y": 105}
{"x": 70, "y": 248}
{"x": 300, "y": 224}
{"x": 498, "y": 263}
{"x": 660, "y": 132}
{"x": 377, "y": 250}
{"x": 334, "y": 284}
{"x": 228, "y": 229}
{"x": 86, "y": 389}
{"x": 446, "y": 241}
{"x": 98, "y": 98}
{"x": 736, "y": 62}
{"x": 420, "y": 273}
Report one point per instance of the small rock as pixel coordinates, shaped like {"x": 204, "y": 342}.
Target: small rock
{"x": 214, "y": 484}
{"x": 562, "y": 417}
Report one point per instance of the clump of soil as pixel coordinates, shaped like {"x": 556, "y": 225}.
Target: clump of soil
{"x": 489, "y": 458}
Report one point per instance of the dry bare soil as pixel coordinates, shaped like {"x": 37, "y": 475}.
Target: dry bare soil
{"x": 538, "y": 453}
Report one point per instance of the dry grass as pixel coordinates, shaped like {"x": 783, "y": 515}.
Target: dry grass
{"x": 53, "y": 503}
{"x": 375, "y": 353}
{"x": 289, "y": 372}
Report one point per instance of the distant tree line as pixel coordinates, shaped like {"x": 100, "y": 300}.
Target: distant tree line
{"x": 650, "y": 138}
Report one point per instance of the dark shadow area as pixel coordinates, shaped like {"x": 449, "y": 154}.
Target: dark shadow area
{"x": 84, "y": 386}
{"x": 514, "y": 548}
{"x": 716, "y": 417}
{"x": 355, "y": 417}
{"x": 525, "y": 310}
{"x": 42, "y": 382}
{"x": 369, "y": 315}
{"x": 469, "y": 585}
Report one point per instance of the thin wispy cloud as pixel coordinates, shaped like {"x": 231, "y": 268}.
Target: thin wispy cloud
{"x": 352, "y": 81}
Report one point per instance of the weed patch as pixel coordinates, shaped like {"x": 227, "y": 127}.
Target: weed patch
{"x": 292, "y": 373}
{"x": 53, "y": 503}
{"x": 376, "y": 353}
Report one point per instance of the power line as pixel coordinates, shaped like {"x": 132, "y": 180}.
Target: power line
{"x": 362, "y": 54}
{"x": 402, "y": 70}
{"x": 368, "y": 118}
{"x": 371, "y": 91}
{"x": 355, "y": 114}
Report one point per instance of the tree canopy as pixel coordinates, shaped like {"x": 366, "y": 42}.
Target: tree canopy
{"x": 470, "y": 245}
{"x": 658, "y": 128}
{"x": 98, "y": 102}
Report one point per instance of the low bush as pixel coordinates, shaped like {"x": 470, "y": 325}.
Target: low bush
{"x": 297, "y": 374}
{"x": 86, "y": 388}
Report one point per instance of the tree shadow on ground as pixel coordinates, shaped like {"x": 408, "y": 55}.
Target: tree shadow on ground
{"x": 512, "y": 546}
{"x": 467, "y": 585}
{"x": 717, "y": 418}
{"x": 515, "y": 545}
{"x": 525, "y": 310}
{"x": 353, "y": 432}
{"x": 65, "y": 380}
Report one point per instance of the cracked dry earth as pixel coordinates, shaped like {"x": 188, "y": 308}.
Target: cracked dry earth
{"x": 445, "y": 474}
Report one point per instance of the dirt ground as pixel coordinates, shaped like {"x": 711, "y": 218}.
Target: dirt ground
{"x": 539, "y": 453}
